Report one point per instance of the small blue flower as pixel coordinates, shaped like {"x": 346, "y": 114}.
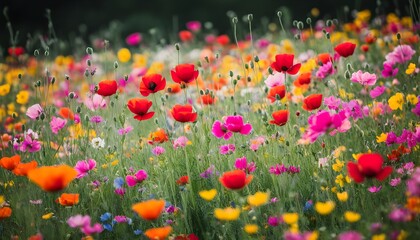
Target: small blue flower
{"x": 138, "y": 232}
{"x": 308, "y": 205}
{"x": 118, "y": 182}
{"x": 105, "y": 217}
{"x": 108, "y": 227}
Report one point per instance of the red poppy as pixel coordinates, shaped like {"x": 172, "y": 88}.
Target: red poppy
{"x": 277, "y": 90}
{"x": 140, "y": 107}
{"x": 345, "y": 49}
{"x": 284, "y": 63}
{"x": 5, "y": 212}
{"x": 312, "y": 102}
{"x": 223, "y": 40}
{"x": 16, "y": 51}
{"x": 206, "y": 100}
{"x": 370, "y": 38}
{"x": 324, "y": 58}
{"x": 152, "y": 83}
{"x": 191, "y": 236}
{"x": 280, "y": 117}
{"x": 185, "y": 36}
{"x": 182, "y": 180}
{"x": 184, "y": 73}
{"x": 150, "y": 209}
{"x": 235, "y": 179}
{"x": 10, "y": 163}
{"x": 364, "y": 48}
{"x": 107, "y": 88}
{"x": 303, "y": 79}
{"x": 183, "y": 113}
{"x": 369, "y": 165}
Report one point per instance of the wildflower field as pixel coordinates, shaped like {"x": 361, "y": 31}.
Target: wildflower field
{"x": 310, "y": 132}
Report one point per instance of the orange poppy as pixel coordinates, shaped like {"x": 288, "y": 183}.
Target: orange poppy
{"x": 303, "y": 79}
{"x": 10, "y": 163}
{"x": 174, "y": 88}
{"x": 324, "y": 58}
{"x": 22, "y": 169}
{"x": 183, "y": 180}
{"x": 37, "y": 236}
{"x": 206, "y": 100}
{"x": 68, "y": 199}
{"x": 5, "y": 212}
{"x": 235, "y": 179}
{"x": 158, "y": 233}
{"x": 159, "y": 136}
{"x": 312, "y": 102}
{"x": 277, "y": 90}
{"x": 52, "y": 178}
{"x": 280, "y": 117}
{"x": 66, "y": 112}
{"x": 150, "y": 209}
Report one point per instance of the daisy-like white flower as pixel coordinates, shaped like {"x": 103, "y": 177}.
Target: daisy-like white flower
{"x": 98, "y": 143}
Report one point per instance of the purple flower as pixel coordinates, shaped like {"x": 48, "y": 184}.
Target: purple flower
{"x": 157, "y": 151}
{"x": 375, "y": 227}
{"x": 134, "y": 39}
{"x": 278, "y": 169}
{"x": 89, "y": 230}
{"x": 273, "y": 221}
{"x": 416, "y": 109}
{"x": 227, "y": 149}
{"x": 242, "y": 164}
{"x": 374, "y": 189}
{"x": 208, "y": 172}
{"x": 139, "y": 177}
{"x": 377, "y": 91}
{"x": 123, "y": 131}
{"x": 391, "y": 138}
{"x": 84, "y": 166}
{"x": 96, "y": 119}
{"x": 293, "y": 170}
{"x": 350, "y": 235}
{"x": 364, "y": 78}
{"x": 34, "y": 111}
{"x": 400, "y": 215}
{"x": 395, "y": 182}
{"x": 57, "y": 124}
{"x": 121, "y": 219}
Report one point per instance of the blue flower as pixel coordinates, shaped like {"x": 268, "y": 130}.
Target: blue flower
{"x": 108, "y": 227}
{"x": 106, "y": 216}
{"x": 138, "y": 232}
{"x": 308, "y": 205}
{"x": 118, "y": 182}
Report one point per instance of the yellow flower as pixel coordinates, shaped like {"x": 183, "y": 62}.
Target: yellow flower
{"x": 251, "y": 228}
{"x": 124, "y": 55}
{"x": 412, "y": 99}
{"x": 312, "y": 236}
{"x": 334, "y": 189}
{"x": 338, "y": 165}
{"x": 258, "y": 199}
{"x": 2, "y": 200}
{"x": 115, "y": 162}
{"x": 290, "y": 218}
{"x": 315, "y": 12}
{"x": 381, "y": 236}
{"x": 140, "y": 60}
{"x": 343, "y": 196}
{"x": 337, "y": 152}
{"x": 410, "y": 69}
{"x": 351, "y": 216}
{"x": 381, "y": 138}
{"x": 47, "y": 216}
{"x": 324, "y": 208}
{"x": 22, "y": 97}
{"x": 227, "y": 214}
{"x": 208, "y": 195}
{"x": 4, "y": 89}
{"x": 403, "y": 235}
{"x": 396, "y": 102}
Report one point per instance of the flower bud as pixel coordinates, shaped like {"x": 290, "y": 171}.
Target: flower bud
{"x": 207, "y": 91}
{"x": 115, "y": 65}
{"x": 294, "y": 23}
{"x": 38, "y": 83}
{"x": 309, "y": 21}
{"x": 246, "y": 66}
{"x": 329, "y": 23}
{"x": 250, "y": 17}
{"x": 87, "y": 72}
{"x": 36, "y": 53}
{"x": 46, "y": 53}
{"x": 279, "y": 14}
{"x": 201, "y": 92}
{"x": 270, "y": 71}
{"x": 42, "y": 116}
{"x": 88, "y": 62}
{"x": 234, "y": 20}
{"x": 256, "y": 59}
{"x": 71, "y": 95}
{"x": 20, "y": 76}
{"x": 300, "y": 25}
{"x": 235, "y": 82}
{"x": 248, "y": 79}
{"x": 230, "y": 73}
{"x": 78, "y": 109}
{"x": 126, "y": 77}
{"x": 347, "y": 74}
{"x": 177, "y": 46}
{"x": 398, "y": 36}
{"x": 53, "y": 80}
{"x": 66, "y": 77}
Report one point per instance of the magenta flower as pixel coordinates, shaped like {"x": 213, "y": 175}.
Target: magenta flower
{"x": 220, "y": 130}
{"x": 413, "y": 184}
{"x": 157, "y": 151}
{"x": 139, "y": 177}
{"x": 332, "y": 102}
{"x": 89, "y": 230}
{"x": 389, "y": 71}
{"x": 227, "y": 149}
{"x": 325, "y": 70}
{"x": 236, "y": 124}
{"x": 83, "y": 167}
{"x": 96, "y": 119}
{"x": 34, "y": 111}
{"x": 123, "y": 131}
{"x": 194, "y": 26}
{"x": 78, "y": 221}
{"x": 350, "y": 235}
{"x": 277, "y": 79}
{"x": 180, "y": 142}
{"x": 321, "y": 123}
{"x": 278, "y": 169}
{"x": 377, "y": 91}
{"x": 30, "y": 143}
{"x": 134, "y": 39}
{"x": 374, "y": 189}
{"x": 242, "y": 164}
{"x": 273, "y": 221}
{"x": 395, "y": 182}
{"x": 95, "y": 102}
{"x": 57, "y": 124}
{"x": 208, "y": 172}
{"x": 400, "y": 215}
{"x": 401, "y": 54}
{"x": 364, "y": 78}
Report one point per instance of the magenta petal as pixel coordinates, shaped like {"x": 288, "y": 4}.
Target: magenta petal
{"x": 217, "y": 129}
{"x": 228, "y": 135}
{"x": 91, "y": 163}
{"x": 246, "y": 129}
{"x": 131, "y": 180}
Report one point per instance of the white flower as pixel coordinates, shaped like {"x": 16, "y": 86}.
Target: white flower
{"x": 98, "y": 143}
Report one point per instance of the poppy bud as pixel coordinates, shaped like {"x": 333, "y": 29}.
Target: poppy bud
{"x": 279, "y": 14}
{"x": 14, "y": 115}
{"x": 126, "y": 77}
{"x": 201, "y": 92}
{"x": 270, "y": 71}
{"x": 297, "y": 113}
{"x": 398, "y": 36}
{"x": 88, "y": 62}
{"x": 235, "y": 82}
{"x": 230, "y": 73}
{"x": 34, "y": 84}
{"x": 96, "y": 88}
{"x": 234, "y": 20}
{"x": 238, "y": 77}
{"x": 78, "y": 109}
{"x": 23, "y": 128}
{"x": 297, "y": 36}
{"x": 87, "y": 73}
{"x": 329, "y": 23}
{"x": 53, "y": 80}
{"x": 169, "y": 90}
{"x": 295, "y": 22}
{"x": 177, "y": 46}
{"x": 256, "y": 59}
{"x": 66, "y": 77}
{"x": 250, "y": 17}
{"x": 199, "y": 64}
{"x": 248, "y": 79}
{"x": 246, "y": 66}
{"x": 36, "y": 53}
{"x": 324, "y": 31}
{"x": 46, "y": 53}
{"x": 266, "y": 89}
{"x": 251, "y": 64}
{"x": 156, "y": 121}
{"x": 327, "y": 35}
{"x": 300, "y": 25}
{"x": 207, "y": 91}
{"x": 89, "y": 50}
{"x": 347, "y": 74}
{"x": 112, "y": 103}
{"x": 72, "y": 95}
{"x": 115, "y": 65}
{"x": 20, "y": 76}
{"x": 249, "y": 102}
{"x": 38, "y": 83}
{"x": 349, "y": 67}
{"x": 309, "y": 21}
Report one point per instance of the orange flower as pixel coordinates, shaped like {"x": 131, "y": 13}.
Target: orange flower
{"x": 280, "y": 117}
{"x": 235, "y": 179}
{"x": 303, "y": 80}
{"x": 206, "y": 100}
{"x": 174, "y": 88}
{"x": 277, "y": 90}
{"x": 312, "y": 102}
{"x": 158, "y": 233}
{"x": 68, "y": 199}
{"x": 37, "y": 236}
{"x": 150, "y": 209}
{"x": 10, "y": 163}
{"x": 52, "y": 178}
{"x": 324, "y": 58}
{"x": 159, "y": 136}
{"x": 182, "y": 180}
{"x": 66, "y": 112}
{"x": 5, "y": 212}
{"x": 413, "y": 204}
{"x": 22, "y": 169}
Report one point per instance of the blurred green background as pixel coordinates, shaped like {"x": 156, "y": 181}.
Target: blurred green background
{"x": 82, "y": 18}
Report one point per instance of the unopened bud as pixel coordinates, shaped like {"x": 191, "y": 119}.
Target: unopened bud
{"x": 156, "y": 121}
{"x": 398, "y": 36}
{"x": 235, "y": 82}
{"x": 36, "y": 53}
{"x": 87, "y": 73}
{"x": 177, "y": 46}
{"x": 250, "y": 17}
{"x": 38, "y": 83}
{"x": 207, "y": 91}
{"x": 96, "y": 88}
{"x": 53, "y": 80}
{"x": 249, "y": 102}
{"x": 327, "y": 35}
{"x": 309, "y": 21}
{"x": 207, "y": 59}
{"x": 270, "y": 71}
{"x": 230, "y": 73}
{"x": 42, "y": 116}
{"x": 349, "y": 67}
{"x": 294, "y": 23}
{"x": 46, "y": 53}
{"x": 78, "y": 109}
{"x": 115, "y": 65}
{"x": 14, "y": 115}
{"x": 88, "y": 62}
{"x": 329, "y": 23}
{"x": 297, "y": 36}
{"x": 234, "y": 20}
{"x": 126, "y": 77}
{"x": 199, "y": 64}
{"x": 251, "y": 64}
{"x": 20, "y": 75}
{"x": 279, "y": 14}
{"x": 66, "y": 77}
{"x": 248, "y": 79}
{"x": 300, "y": 25}
{"x": 201, "y": 92}
{"x": 238, "y": 77}
{"x": 347, "y": 74}
{"x": 89, "y": 50}
{"x": 246, "y": 66}
{"x": 72, "y": 95}
{"x": 256, "y": 59}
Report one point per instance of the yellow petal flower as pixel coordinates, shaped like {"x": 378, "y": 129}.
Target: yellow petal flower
{"x": 47, "y": 216}
{"x": 324, "y": 208}
{"x": 227, "y": 214}
{"x": 381, "y": 138}
{"x": 410, "y": 69}
{"x": 124, "y": 55}
{"x": 412, "y": 99}
{"x": 251, "y": 228}
{"x": 258, "y": 199}
{"x": 379, "y": 237}
{"x": 396, "y": 102}
{"x": 351, "y": 216}
{"x": 290, "y": 218}
{"x": 343, "y": 196}
{"x": 208, "y": 195}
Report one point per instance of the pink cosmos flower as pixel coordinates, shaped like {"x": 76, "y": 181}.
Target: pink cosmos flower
{"x": 236, "y": 124}
{"x": 395, "y": 182}
{"x": 332, "y": 102}
{"x": 123, "y": 131}
{"x": 389, "y": 71}
{"x": 194, "y": 26}
{"x": 34, "y": 111}
{"x": 95, "y": 102}
{"x": 325, "y": 70}
{"x": 364, "y": 78}
{"x": 158, "y": 151}
{"x": 139, "y": 177}
{"x": 374, "y": 189}
{"x": 377, "y": 91}
{"x": 277, "y": 79}
{"x": 83, "y": 167}
{"x": 134, "y": 39}
{"x": 242, "y": 164}
{"x": 89, "y": 230}
{"x": 401, "y": 54}
{"x": 227, "y": 149}
{"x": 57, "y": 124}
{"x": 78, "y": 221}
{"x": 180, "y": 142}
{"x": 321, "y": 123}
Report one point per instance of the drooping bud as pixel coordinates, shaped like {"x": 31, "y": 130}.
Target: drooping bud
{"x": 234, "y": 20}
{"x": 89, "y": 50}
{"x": 89, "y": 62}
{"x": 177, "y": 46}
{"x": 309, "y": 21}
{"x": 36, "y": 53}
{"x": 115, "y": 65}
{"x": 250, "y": 17}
